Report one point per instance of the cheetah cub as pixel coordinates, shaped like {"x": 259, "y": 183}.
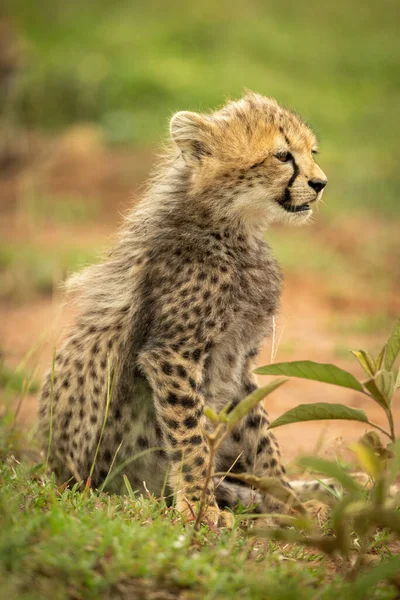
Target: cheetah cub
{"x": 179, "y": 309}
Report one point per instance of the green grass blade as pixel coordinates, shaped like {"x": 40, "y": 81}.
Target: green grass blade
{"x": 110, "y": 388}
{"x": 129, "y": 460}
{"x": 245, "y": 406}
{"x": 103, "y": 485}
{"x": 128, "y": 486}
{"x": 51, "y": 409}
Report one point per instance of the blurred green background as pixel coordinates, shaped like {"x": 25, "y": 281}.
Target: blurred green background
{"x": 86, "y": 92}
{"x": 128, "y": 65}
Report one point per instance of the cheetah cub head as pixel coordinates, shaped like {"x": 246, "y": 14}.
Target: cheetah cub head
{"x": 252, "y": 157}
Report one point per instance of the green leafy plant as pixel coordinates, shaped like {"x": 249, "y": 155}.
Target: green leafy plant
{"x": 355, "y": 520}
{"x": 383, "y": 381}
{"x": 367, "y": 506}
{"x": 359, "y": 513}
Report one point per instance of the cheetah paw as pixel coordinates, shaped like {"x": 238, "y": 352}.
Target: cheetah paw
{"x": 318, "y": 510}
{"x": 212, "y": 515}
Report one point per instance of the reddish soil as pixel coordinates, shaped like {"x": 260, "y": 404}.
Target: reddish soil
{"x": 310, "y": 321}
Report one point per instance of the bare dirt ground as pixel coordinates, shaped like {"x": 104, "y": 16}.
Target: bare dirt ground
{"x": 313, "y": 323}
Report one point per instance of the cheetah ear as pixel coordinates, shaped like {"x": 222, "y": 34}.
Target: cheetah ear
{"x": 189, "y": 132}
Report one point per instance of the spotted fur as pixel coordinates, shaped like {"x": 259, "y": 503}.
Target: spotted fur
{"x": 175, "y": 315}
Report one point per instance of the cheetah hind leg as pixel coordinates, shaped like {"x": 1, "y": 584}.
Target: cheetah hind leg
{"x": 314, "y": 495}
{"x": 317, "y": 496}
{"x": 329, "y": 489}
{"x": 322, "y": 489}
{"x": 232, "y": 495}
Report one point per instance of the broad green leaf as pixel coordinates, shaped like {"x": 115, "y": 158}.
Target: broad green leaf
{"x": 365, "y": 360}
{"x": 318, "y": 412}
{"x": 381, "y": 388}
{"x": 367, "y": 459}
{"x": 385, "y": 381}
{"x": 331, "y": 469}
{"x": 307, "y": 369}
{"x": 381, "y": 358}
{"x": 393, "y": 346}
{"x": 251, "y": 401}
{"x": 397, "y": 384}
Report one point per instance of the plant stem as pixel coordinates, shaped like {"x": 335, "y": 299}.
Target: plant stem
{"x": 51, "y": 409}
{"x": 110, "y": 388}
{"x": 380, "y": 429}
{"x": 391, "y": 424}
{"x": 214, "y": 443}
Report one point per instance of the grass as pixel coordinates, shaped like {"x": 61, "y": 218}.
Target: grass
{"x": 129, "y": 65}
{"x": 39, "y": 209}
{"x": 373, "y": 324}
{"x": 59, "y": 543}
{"x": 16, "y": 380}
{"x": 29, "y": 269}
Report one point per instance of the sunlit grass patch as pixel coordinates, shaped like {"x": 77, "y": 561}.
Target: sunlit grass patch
{"x": 34, "y": 268}
{"x": 38, "y": 208}
{"x": 16, "y": 380}
{"x": 362, "y": 324}
{"x": 61, "y": 543}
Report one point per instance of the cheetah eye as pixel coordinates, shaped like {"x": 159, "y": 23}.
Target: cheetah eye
{"x": 283, "y": 156}
{"x": 258, "y": 164}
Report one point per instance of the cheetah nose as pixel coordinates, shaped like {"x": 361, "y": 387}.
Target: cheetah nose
{"x": 317, "y": 184}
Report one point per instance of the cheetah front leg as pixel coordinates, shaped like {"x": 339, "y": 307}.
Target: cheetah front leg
{"x": 252, "y": 448}
{"x": 176, "y": 380}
